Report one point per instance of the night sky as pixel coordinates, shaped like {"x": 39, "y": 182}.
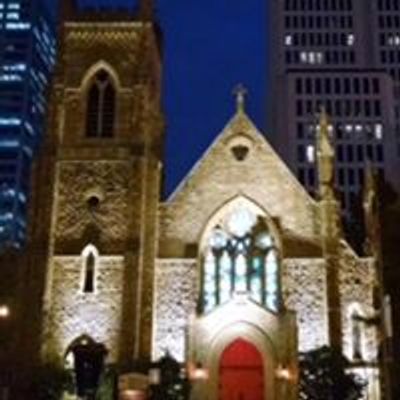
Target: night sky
{"x": 210, "y": 46}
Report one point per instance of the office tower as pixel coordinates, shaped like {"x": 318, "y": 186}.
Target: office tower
{"x": 323, "y": 55}
{"x": 27, "y": 54}
{"x": 343, "y": 55}
{"x": 385, "y": 22}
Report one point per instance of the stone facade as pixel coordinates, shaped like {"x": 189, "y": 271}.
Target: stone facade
{"x": 176, "y": 294}
{"x": 74, "y": 313}
{"x": 304, "y": 291}
{"x": 308, "y": 235}
{"x": 99, "y": 192}
{"x": 78, "y": 181}
{"x": 109, "y": 260}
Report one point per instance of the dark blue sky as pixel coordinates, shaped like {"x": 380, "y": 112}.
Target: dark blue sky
{"x": 210, "y": 46}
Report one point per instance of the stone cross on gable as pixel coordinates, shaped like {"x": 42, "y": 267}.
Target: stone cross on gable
{"x": 240, "y": 93}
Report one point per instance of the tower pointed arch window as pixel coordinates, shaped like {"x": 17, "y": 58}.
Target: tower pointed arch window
{"x": 90, "y": 258}
{"x": 100, "y": 108}
{"x": 240, "y": 256}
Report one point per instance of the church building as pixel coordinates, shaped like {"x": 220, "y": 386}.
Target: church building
{"x": 238, "y": 271}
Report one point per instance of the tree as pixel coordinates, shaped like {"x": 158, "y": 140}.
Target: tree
{"x": 173, "y": 384}
{"x": 324, "y": 375}
{"x": 51, "y": 381}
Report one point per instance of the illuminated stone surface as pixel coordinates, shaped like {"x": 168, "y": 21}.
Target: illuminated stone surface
{"x": 304, "y": 290}
{"x": 176, "y": 296}
{"x": 149, "y": 259}
{"x": 74, "y": 313}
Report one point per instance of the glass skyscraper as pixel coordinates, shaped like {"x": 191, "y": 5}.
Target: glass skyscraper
{"x": 27, "y": 56}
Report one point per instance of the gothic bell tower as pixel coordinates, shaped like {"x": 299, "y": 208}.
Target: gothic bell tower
{"x": 97, "y": 187}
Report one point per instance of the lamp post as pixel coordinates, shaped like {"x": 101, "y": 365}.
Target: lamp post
{"x": 5, "y": 331}
{"x": 4, "y": 311}
{"x": 197, "y": 373}
{"x": 88, "y": 364}
{"x": 5, "y": 327}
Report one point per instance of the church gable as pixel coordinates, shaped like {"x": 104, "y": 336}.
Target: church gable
{"x": 240, "y": 163}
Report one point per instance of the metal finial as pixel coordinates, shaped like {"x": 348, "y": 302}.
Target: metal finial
{"x": 240, "y": 92}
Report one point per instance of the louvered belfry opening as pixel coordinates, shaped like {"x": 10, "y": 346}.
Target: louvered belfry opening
{"x": 100, "y": 116}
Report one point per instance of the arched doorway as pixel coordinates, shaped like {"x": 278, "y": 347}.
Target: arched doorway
{"x": 241, "y": 374}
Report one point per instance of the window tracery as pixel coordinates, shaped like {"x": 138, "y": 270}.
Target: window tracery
{"x": 100, "y": 112}
{"x": 241, "y": 256}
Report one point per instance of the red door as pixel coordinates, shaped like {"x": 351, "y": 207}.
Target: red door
{"x": 241, "y": 372}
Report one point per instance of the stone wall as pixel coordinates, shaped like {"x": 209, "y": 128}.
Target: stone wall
{"x": 219, "y": 177}
{"x": 72, "y": 313}
{"x": 175, "y": 301}
{"x": 176, "y": 293}
{"x": 77, "y": 182}
{"x": 357, "y": 280}
{"x": 304, "y": 291}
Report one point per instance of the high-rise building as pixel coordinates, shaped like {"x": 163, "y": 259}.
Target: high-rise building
{"x": 325, "y": 54}
{"x": 27, "y": 55}
{"x": 385, "y": 23}
{"x": 343, "y": 55}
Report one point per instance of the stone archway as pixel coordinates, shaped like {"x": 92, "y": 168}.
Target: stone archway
{"x": 241, "y": 372}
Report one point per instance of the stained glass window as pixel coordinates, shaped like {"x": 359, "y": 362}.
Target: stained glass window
{"x": 240, "y": 256}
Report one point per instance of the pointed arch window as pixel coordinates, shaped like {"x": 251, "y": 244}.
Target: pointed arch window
{"x": 89, "y": 270}
{"x": 100, "y": 111}
{"x": 240, "y": 256}
{"x": 357, "y": 335}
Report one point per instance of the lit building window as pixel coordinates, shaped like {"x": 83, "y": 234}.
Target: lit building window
{"x": 288, "y": 40}
{"x": 394, "y": 40}
{"x": 14, "y": 6}
{"x": 15, "y": 67}
{"x": 348, "y": 128}
{"x": 350, "y": 40}
{"x": 378, "y": 131}
{"x": 9, "y": 143}
{"x": 10, "y": 78}
{"x": 13, "y": 16}
{"x": 311, "y": 57}
{"x": 240, "y": 257}
{"x": 100, "y": 111}
{"x": 310, "y": 153}
{"x": 18, "y": 25}
{"x": 10, "y": 121}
